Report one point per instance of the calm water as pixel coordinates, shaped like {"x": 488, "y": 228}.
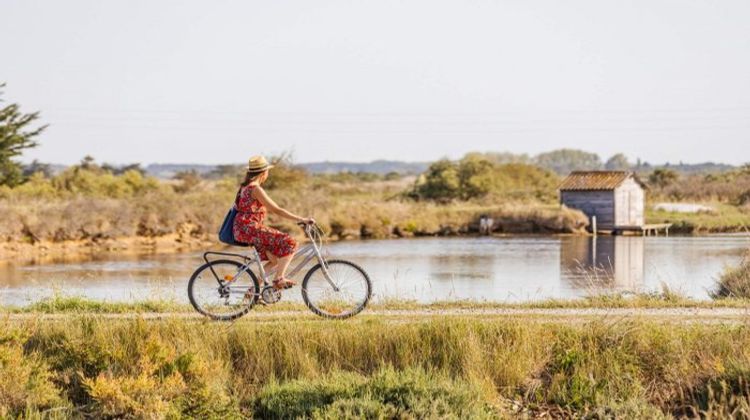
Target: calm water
{"x": 498, "y": 269}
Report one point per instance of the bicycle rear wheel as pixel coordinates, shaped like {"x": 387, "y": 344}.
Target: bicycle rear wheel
{"x": 345, "y": 295}
{"x": 223, "y": 290}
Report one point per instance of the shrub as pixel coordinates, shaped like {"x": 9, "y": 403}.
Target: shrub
{"x": 285, "y": 174}
{"x": 188, "y": 181}
{"x": 25, "y": 380}
{"x": 410, "y": 393}
{"x": 476, "y": 176}
{"x": 435, "y": 367}
{"x": 728, "y": 187}
{"x": 735, "y": 281}
{"x": 441, "y": 182}
{"x": 663, "y": 177}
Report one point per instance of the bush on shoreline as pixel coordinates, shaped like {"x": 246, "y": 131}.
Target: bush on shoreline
{"x": 735, "y": 281}
{"x": 477, "y": 176}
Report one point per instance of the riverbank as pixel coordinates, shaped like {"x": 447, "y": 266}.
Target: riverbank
{"x": 723, "y": 218}
{"x": 416, "y": 366}
{"x": 75, "y": 305}
{"x": 47, "y": 252}
{"x": 86, "y": 213}
{"x": 39, "y": 238}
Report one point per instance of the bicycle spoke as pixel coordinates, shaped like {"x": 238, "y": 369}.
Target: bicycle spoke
{"x": 223, "y": 290}
{"x": 349, "y": 296}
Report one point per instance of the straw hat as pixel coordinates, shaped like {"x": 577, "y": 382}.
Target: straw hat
{"x": 258, "y": 164}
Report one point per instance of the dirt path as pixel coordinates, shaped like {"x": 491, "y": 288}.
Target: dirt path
{"x": 681, "y": 315}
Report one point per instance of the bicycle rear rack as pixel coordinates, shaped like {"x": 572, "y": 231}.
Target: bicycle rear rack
{"x": 246, "y": 259}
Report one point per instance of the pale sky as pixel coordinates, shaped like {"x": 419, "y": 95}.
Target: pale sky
{"x": 218, "y": 81}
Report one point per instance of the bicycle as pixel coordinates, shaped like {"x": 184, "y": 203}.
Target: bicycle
{"x": 227, "y": 289}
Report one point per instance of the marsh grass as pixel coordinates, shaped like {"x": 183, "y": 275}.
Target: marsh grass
{"x": 72, "y": 305}
{"x": 734, "y": 281}
{"x": 725, "y": 218}
{"x": 425, "y": 368}
{"x": 40, "y": 212}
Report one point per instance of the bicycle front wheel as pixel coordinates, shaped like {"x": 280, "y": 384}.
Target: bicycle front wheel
{"x": 342, "y": 293}
{"x": 223, "y": 290}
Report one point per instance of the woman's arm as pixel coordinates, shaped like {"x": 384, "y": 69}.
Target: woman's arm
{"x": 261, "y": 195}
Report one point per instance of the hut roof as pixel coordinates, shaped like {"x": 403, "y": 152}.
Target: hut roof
{"x": 596, "y": 180}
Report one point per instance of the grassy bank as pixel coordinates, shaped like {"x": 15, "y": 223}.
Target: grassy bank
{"x": 89, "y": 209}
{"x": 724, "y": 219}
{"x": 161, "y": 219}
{"x": 83, "y": 306}
{"x": 423, "y": 368}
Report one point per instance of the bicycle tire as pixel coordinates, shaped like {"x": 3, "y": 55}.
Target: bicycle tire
{"x": 213, "y": 316}
{"x": 344, "y": 315}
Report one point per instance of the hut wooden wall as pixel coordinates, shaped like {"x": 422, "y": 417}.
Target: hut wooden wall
{"x": 629, "y": 204}
{"x": 593, "y": 203}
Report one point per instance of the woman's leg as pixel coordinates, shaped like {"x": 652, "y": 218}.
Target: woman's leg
{"x": 272, "y": 262}
{"x": 283, "y": 265}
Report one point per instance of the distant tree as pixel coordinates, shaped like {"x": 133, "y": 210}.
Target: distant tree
{"x": 392, "y": 176}
{"x": 564, "y": 161}
{"x": 441, "y": 182}
{"x": 501, "y": 158}
{"x": 189, "y": 180}
{"x": 662, "y": 177}
{"x": 121, "y": 169}
{"x": 618, "y": 162}
{"x": 37, "y": 167}
{"x": 285, "y": 173}
{"x": 88, "y": 163}
{"x": 227, "y": 171}
{"x": 16, "y": 135}
{"x": 475, "y": 176}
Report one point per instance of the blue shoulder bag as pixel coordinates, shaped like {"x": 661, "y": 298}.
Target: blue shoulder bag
{"x": 226, "y": 233}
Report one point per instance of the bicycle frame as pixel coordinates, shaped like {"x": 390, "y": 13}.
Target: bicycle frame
{"x": 309, "y": 252}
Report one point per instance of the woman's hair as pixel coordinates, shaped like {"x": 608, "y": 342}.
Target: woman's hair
{"x": 250, "y": 176}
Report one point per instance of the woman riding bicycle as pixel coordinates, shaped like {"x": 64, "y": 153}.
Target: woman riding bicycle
{"x": 274, "y": 246}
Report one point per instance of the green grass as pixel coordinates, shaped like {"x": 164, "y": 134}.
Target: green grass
{"x": 725, "y": 218}
{"x": 446, "y": 367}
{"x": 60, "y": 304}
{"x": 76, "y": 304}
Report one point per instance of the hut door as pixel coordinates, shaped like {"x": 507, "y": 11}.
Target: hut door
{"x": 628, "y": 203}
{"x": 632, "y": 214}
{"x": 631, "y": 210}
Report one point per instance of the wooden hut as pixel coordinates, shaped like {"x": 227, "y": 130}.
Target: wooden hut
{"x": 616, "y": 198}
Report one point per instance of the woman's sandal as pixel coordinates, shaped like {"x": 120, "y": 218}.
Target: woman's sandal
{"x": 281, "y": 284}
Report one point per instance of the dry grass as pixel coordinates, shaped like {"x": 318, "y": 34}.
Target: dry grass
{"x": 421, "y": 368}
{"x": 735, "y": 281}
{"x": 346, "y": 210}
{"x": 96, "y": 206}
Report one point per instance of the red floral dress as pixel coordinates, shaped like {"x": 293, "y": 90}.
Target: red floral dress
{"x": 249, "y": 228}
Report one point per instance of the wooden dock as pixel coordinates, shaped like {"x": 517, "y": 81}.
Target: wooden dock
{"x": 645, "y": 230}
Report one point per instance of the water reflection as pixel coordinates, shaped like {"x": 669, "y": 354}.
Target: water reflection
{"x": 608, "y": 263}
{"x": 509, "y": 269}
